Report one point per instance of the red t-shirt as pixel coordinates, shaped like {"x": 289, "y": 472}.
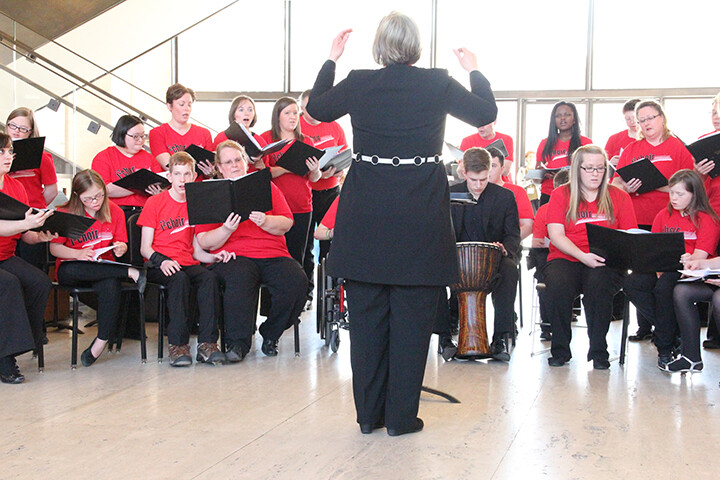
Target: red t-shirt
{"x": 14, "y": 189}
{"x": 164, "y": 139}
{"x": 112, "y": 165}
{"x": 558, "y": 158}
{"x": 251, "y": 241}
{"x": 588, "y": 213}
{"x": 525, "y": 209}
{"x": 295, "y": 188}
{"x": 34, "y": 180}
{"x": 329, "y": 219}
{"x": 322, "y": 136}
{"x": 99, "y": 235}
{"x": 704, "y": 238}
{"x": 540, "y": 224}
{"x": 712, "y": 185}
{"x": 617, "y": 143}
{"x": 221, "y": 137}
{"x": 669, "y": 157}
{"x": 476, "y": 140}
{"x": 173, "y": 233}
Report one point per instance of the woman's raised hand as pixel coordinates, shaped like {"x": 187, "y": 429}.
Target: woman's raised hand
{"x": 338, "y": 44}
{"x": 467, "y": 59}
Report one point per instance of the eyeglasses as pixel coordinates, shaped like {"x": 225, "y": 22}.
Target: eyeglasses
{"x": 594, "y": 169}
{"x": 97, "y": 198}
{"x": 233, "y": 161}
{"x": 18, "y": 128}
{"x": 647, "y": 119}
{"x": 137, "y": 137}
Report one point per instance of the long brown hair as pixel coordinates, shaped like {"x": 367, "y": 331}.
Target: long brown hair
{"x": 604, "y": 202}
{"x": 280, "y": 105}
{"x": 81, "y": 183}
{"x": 694, "y": 184}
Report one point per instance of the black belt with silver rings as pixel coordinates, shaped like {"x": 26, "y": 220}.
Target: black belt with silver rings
{"x": 397, "y": 161}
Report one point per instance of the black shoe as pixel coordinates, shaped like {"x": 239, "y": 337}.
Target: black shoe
{"x": 499, "y": 350}
{"x": 663, "y": 360}
{"x": 711, "y": 344}
{"x": 86, "y": 358}
{"x": 269, "y": 347}
{"x": 556, "y": 362}
{"x": 446, "y": 347}
{"x": 367, "y": 428}
{"x": 640, "y": 336}
{"x": 601, "y": 364}
{"x": 546, "y": 336}
{"x": 394, "y": 432}
{"x": 9, "y": 371}
{"x": 684, "y": 365}
{"x": 235, "y": 354}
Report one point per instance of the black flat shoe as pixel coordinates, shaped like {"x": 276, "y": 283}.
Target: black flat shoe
{"x": 142, "y": 280}
{"x": 269, "y": 347}
{"x": 86, "y": 358}
{"x": 367, "y": 428}
{"x": 556, "y": 362}
{"x": 601, "y": 364}
{"x": 447, "y": 348}
{"x": 394, "y": 432}
{"x": 10, "y": 372}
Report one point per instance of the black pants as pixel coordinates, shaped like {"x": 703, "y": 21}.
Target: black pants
{"x": 564, "y": 281}
{"x": 389, "y": 339}
{"x": 685, "y": 297}
{"x": 503, "y": 298}
{"x": 544, "y": 198}
{"x": 36, "y": 255}
{"x": 321, "y": 201}
{"x": 242, "y": 278}
{"x": 653, "y": 298}
{"x": 207, "y": 287}
{"x": 537, "y": 257}
{"x": 105, "y": 281}
{"x": 24, "y": 291}
{"x": 296, "y": 237}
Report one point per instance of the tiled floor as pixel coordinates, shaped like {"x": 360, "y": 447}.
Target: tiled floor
{"x": 288, "y": 417}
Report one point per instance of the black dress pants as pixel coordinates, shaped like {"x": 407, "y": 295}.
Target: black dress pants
{"x": 321, "y": 201}
{"x": 296, "y": 237}
{"x": 564, "y": 281}
{"x": 24, "y": 291}
{"x": 180, "y": 284}
{"x": 685, "y": 297}
{"x": 105, "y": 280}
{"x": 389, "y": 339}
{"x": 242, "y": 278}
{"x": 653, "y": 298}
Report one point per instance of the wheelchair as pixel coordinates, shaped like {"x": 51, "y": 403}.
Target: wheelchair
{"x": 331, "y": 308}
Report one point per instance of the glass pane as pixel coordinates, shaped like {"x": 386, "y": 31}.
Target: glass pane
{"x": 643, "y": 45}
{"x": 311, "y": 35}
{"x": 607, "y": 120}
{"x": 689, "y": 118}
{"x": 544, "y": 48}
{"x": 246, "y": 53}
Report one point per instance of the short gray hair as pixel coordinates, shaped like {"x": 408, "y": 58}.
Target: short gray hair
{"x": 397, "y": 40}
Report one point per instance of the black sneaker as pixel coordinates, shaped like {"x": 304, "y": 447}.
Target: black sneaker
{"x": 663, "y": 360}
{"x": 499, "y": 351}
{"x": 684, "y": 364}
{"x": 235, "y": 354}
{"x": 711, "y": 344}
{"x": 640, "y": 336}
{"x": 269, "y": 347}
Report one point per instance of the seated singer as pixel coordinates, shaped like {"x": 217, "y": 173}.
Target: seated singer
{"x": 262, "y": 257}
{"x": 493, "y": 219}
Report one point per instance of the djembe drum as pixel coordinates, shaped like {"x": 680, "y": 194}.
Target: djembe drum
{"x": 479, "y": 265}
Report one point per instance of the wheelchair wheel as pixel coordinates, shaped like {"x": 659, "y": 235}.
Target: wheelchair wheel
{"x": 335, "y": 340}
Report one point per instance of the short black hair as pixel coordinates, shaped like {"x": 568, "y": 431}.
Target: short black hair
{"x": 629, "y": 106}
{"x": 125, "y": 123}
{"x": 496, "y": 153}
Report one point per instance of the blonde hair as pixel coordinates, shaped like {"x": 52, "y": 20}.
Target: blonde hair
{"x": 181, "y": 158}
{"x": 604, "y": 202}
{"x": 231, "y": 144}
{"x": 397, "y": 41}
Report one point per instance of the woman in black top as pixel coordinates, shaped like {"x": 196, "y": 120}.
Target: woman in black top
{"x": 393, "y": 239}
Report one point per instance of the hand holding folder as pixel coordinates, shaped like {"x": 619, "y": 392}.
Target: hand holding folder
{"x": 293, "y": 160}
{"x": 636, "y": 250}
{"x": 646, "y": 172}
{"x": 707, "y": 148}
{"x": 64, "y": 224}
{"x": 141, "y": 179}
{"x": 237, "y": 132}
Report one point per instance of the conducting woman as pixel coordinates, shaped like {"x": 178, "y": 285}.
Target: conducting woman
{"x": 393, "y": 241}
{"x": 571, "y": 268}
{"x": 89, "y": 198}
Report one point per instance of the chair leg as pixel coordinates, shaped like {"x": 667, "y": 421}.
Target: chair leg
{"x": 120, "y": 329}
{"x": 625, "y": 323}
{"x": 40, "y": 349}
{"x": 75, "y": 330}
{"x": 296, "y": 332}
{"x": 161, "y": 324}
{"x": 143, "y": 345}
{"x": 520, "y": 294}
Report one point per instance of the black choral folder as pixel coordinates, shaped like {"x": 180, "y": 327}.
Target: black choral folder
{"x": 141, "y": 179}
{"x": 707, "y": 147}
{"x": 294, "y": 157}
{"x": 64, "y": 224}
{"x": 639, "y": 252}
{"x": 242, "y": 135}
{"x": 500, "y": 145}
{"x": 200, "y": 154}
{"x": 28, "y": 153}
{"x": 646, "y": 172}
{"x": 333, "y": 158}
{"x": 212, "y": 201}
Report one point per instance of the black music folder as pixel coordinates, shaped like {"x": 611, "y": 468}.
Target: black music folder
{"x": 539, "y": 173}
{"x": 28, "y": 153}
{"x": 240, "y": 134}
{"x": 294, "y": 157}
{"x": 64, "y": 224}
{"x": 637, "y": 250}
{"x": 212, "y": 201}
{"x": 707, "y": 147}
{"x": 200, "y": 155}
{"x": 500, "y": 145}
{"x": 334, "y": 158}
{"x": 646, "y": 172}
{"x": 141, "y": 179}
{"x": 462, "y": 198}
